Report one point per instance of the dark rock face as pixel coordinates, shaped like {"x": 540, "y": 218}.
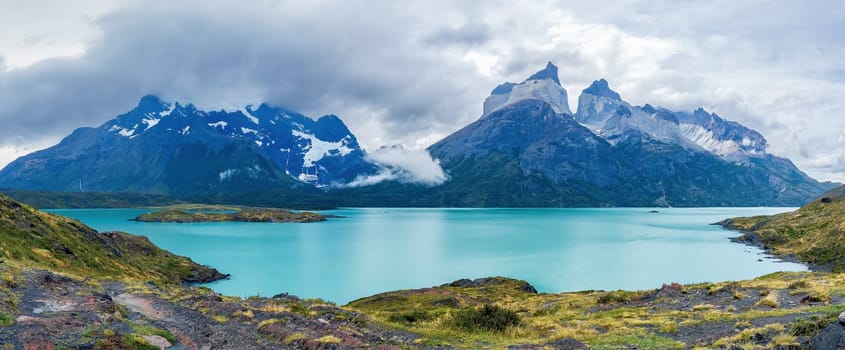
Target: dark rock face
{"x": 601, "y": 88}
{"x": 168, "y": 148}
{"x": 831, "y": 337}
{"x": 550, "y": 72}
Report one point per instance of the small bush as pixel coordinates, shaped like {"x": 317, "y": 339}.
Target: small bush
{"x": 743, "y": 325}
{"x": 410, "y": 317}
{"x": 614, "y": 297}
{"x": 248, "y": 313}
{"x": 770, "y": 300}
{"x": 809, "y": 327}
{"x": 798, "y": 285}
{"x": 702, "y": 307}
{"x": 490, "y": 318}
{"x": 668, "y": 327}
{"x": 715, "y": 289}
{"x": 329, "y": 339}
{"x": 6, "y": 319}
{"x": 268, "y": 322}
{"x": 818, "y": 294}
{"x": 295, "y": 337}
{"x": 785, "y": 341}
{"x": 136, "y": 342}
{"x": 152, "y": 330}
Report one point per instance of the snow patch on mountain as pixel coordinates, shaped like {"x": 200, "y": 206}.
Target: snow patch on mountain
{"x": 316, "y": 149}
{"x": 221, "y": 124}
{"x": 170, "y": 108}
{"x": 226, "y": 174}
{"x": 126, "y": 132}
{"x": 245, "y": 111}
{"x": 705, "y": 138}
{"x": 151, "y": 122}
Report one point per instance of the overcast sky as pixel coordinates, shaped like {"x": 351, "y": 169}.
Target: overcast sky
{"x": 403, "y": 72}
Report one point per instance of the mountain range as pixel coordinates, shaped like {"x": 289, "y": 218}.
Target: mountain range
{"x": 610, "y": 153}
{"x": 527, "y": 149}
{"x": 169, "y": 148}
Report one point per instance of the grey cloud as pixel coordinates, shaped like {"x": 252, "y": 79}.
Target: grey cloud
{"x": 399, "y": 73}
{"x": 226, "y": 54}
{"x": 468, "y": 34}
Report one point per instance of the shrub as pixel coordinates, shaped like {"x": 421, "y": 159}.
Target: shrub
{"x": 809, "y": 327}
{"x": 770, "y": 300}
{"x": 490, "y": 318}
{"x": 295, "y": 337}
{"x": 615, "y": 297}
{"x": 798, "y": 285}
{"x": 410, "y": 317}
{"x": 818, "y": 294}
{"x": 702, "y": 307}
{"x": 329, "y": 339}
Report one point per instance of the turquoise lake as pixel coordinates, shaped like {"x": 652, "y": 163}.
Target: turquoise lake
{"x": 375, "y": 250}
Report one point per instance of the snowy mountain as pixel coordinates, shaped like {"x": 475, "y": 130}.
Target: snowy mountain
{"x": 167, "y": 147}
{"x": 528, "y": 149}
{"x": 543, "y": 85}
{"x": 603, "y": 111}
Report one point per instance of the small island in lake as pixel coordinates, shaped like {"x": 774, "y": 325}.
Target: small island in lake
{"x": 182, "y": 214}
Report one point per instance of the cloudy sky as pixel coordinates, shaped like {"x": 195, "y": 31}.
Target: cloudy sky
{"x": 411, "y": 72}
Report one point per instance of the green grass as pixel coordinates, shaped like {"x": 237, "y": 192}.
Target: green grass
{"x": 603, "y": 320}
{"x": 488, "y": 318}
{"x": 34, "y": 239}
{"x": 6, "y": 319}
{"x": 410, "y": 317}
{"x": 152, "y": 330}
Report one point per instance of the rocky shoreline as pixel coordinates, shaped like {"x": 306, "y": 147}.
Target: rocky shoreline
{"x": 752, "y": 239}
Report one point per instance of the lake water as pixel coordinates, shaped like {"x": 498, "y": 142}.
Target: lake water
{"x": 376, "y": 250}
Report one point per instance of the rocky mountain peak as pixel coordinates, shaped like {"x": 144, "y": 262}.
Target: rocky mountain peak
{"x": 543, "y": 86}
{"x": 601, "y": 88}
{"x": 151, "y": 104}
{"x": 550, "y": 72}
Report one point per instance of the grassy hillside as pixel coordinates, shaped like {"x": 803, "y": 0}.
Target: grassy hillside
{"x": 33, "y": 239}
{"x": 815, "y": 233}
{"x": 777, "y": 311}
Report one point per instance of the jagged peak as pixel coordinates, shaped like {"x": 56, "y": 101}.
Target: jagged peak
{"x": 550, "y": 72}
{"x": 700, "y": 111}
{"x": 601, "y": 88}
{"x": 151, "y": 103}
